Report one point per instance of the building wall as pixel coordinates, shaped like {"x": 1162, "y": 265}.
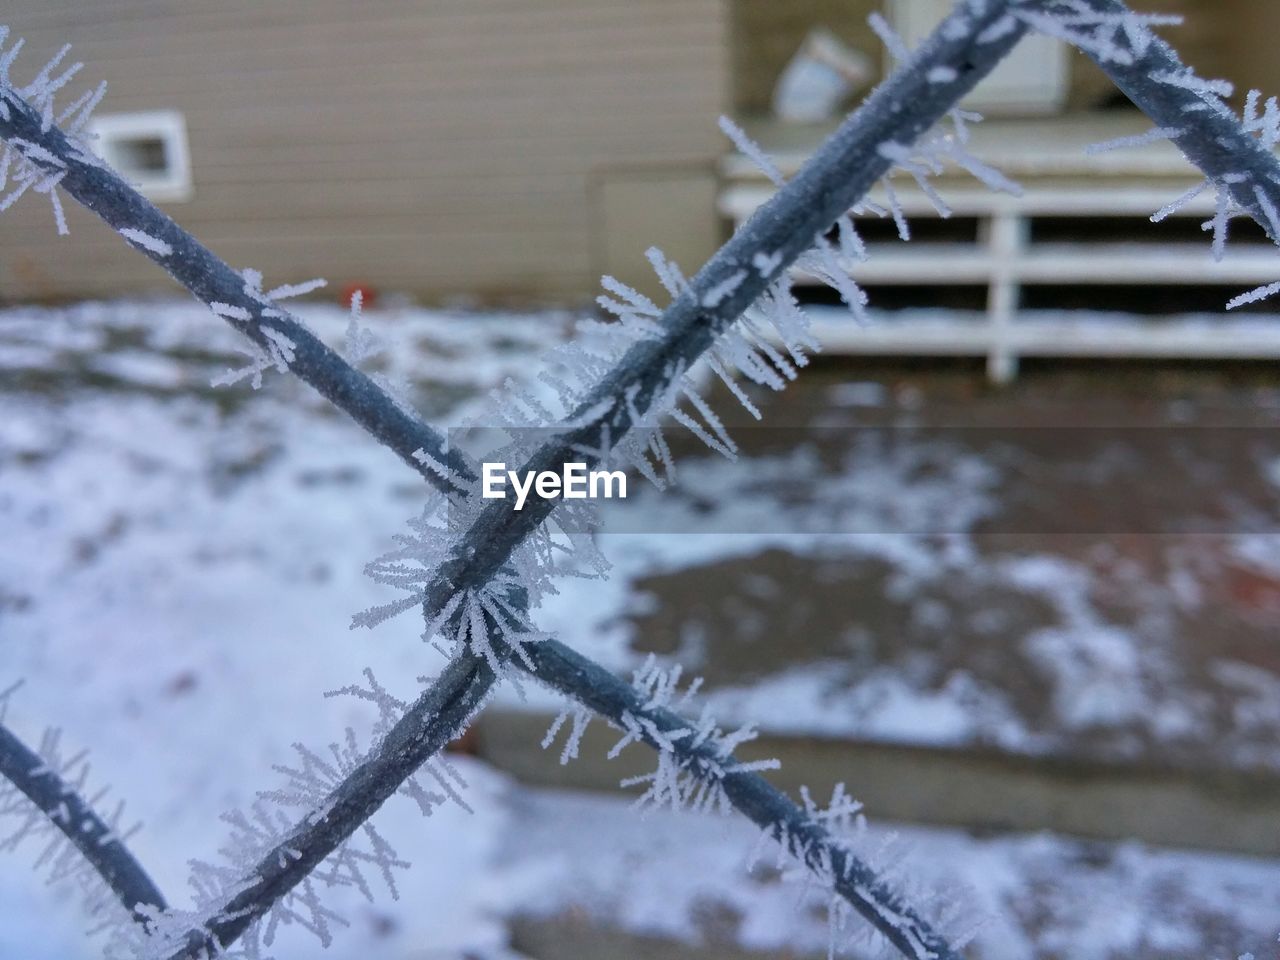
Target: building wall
{"x": 440, "y": 147}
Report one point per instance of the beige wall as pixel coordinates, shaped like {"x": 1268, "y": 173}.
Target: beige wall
{"x": 436, "y": 146}
{"x": 501, "y": 148}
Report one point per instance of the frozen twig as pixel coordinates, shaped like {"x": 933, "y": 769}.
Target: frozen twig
{"x": 967, "y": 45}
{"x": 1236, "y": 156}
{"x": 442, "y": 712}
{"x": 833, "y": 181}
{"x": 234, "y": 296}
{"x": 60, "y": 805}
{"x": 804, "y": 836}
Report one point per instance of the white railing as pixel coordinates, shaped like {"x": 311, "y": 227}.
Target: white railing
{"x": 1061, "y": 180}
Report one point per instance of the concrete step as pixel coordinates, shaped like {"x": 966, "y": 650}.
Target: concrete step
{"x": 982, "y": 791}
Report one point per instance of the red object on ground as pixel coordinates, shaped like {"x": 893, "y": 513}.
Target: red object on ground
{"x": 350, "y": 290}
{"x": 1254, "y": 590}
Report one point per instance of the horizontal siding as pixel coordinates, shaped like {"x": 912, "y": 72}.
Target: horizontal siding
{"x": 436, "y": 147}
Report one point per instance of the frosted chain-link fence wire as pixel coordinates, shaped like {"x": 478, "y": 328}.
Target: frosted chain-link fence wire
{"x": 477, "y": 568}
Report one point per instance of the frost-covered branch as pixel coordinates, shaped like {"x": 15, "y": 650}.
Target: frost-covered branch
{"x": 649, "y": 378}
{"x": 712, "y": 777}
{"x": 45, "y": 793}
{"x": 439, "y": 715}
{"x": 47, "y": 159}
{"x": 641, "y": 385}
{"x": 1236, "y": 155}
{"x": 1188, "y": 109}
{"x": 645, "y": 383}
{"x": 719, "y": 777}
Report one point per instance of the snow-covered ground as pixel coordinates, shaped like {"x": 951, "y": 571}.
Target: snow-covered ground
{"x": 1027, "y": 896}
{"x": 177, "y": 581}
{"x": 180, "y": 567}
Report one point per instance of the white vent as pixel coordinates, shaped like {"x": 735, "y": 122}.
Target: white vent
{"x": 1032, "y": 79}
{"x": 149, "y": 150}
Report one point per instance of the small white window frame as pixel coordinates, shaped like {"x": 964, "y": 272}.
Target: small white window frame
{"x": 170, "y": 127}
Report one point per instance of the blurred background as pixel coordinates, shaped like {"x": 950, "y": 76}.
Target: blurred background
{"x": 1004, "y": 560}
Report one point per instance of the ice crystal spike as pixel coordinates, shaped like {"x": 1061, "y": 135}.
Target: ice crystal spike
{"x": 29, "y": 167}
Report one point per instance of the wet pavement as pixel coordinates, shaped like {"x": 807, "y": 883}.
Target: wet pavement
{"x": 1097, "y": 574}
